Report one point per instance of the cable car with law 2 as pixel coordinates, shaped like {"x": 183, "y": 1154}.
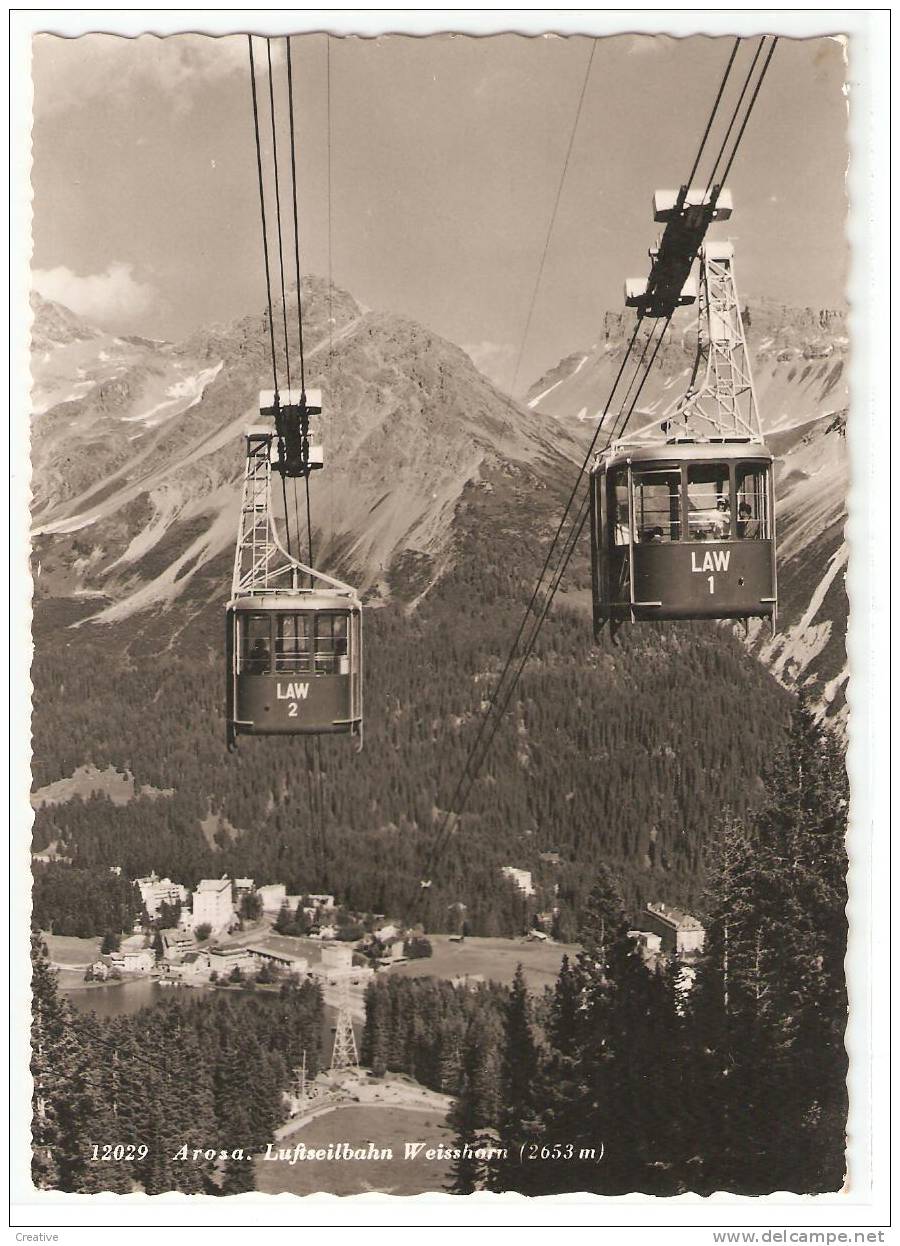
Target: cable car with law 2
{"x": 293, "y": 634}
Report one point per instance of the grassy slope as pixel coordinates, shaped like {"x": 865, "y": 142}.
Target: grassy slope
{"x": 494, "y": 959}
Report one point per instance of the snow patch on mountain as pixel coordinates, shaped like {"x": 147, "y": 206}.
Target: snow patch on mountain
{"x": 180, "y": 396}
{"x": 534, "y": 401}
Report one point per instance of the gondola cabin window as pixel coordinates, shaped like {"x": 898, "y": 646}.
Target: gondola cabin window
{"x": 331, "y": 644}
{"x": 752, "y": 494}
{"x": 657, "y": 504}
{"x": 618, "y": 505}
{"x": 256, "y": 644}
{"x": 293, "y": 654}
{"x": 708, "y": 502}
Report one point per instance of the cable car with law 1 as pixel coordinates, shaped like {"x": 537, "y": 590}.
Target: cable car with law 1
{"x": 684, "y": 527}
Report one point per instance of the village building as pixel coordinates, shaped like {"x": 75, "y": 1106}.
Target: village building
{"x": 648, "y": 944}
{"x": 156, "y": 891}
{"x": 141, "y": 961}
{"x": 337, "y": 965}
{"x": 471, "y": 981}
{"x": 194, "y": 969}
{"x": 243, "y": 887}
{"x": 394, "y": 955}
{"x": 679, "y": 932}
{"x": 521, "y": 878}
{"x": 320, "y": 901}
{"x": 273, "y": 896}
{"x": 212, "y": 904}
{"x": 224, "y": 960}
{"x": 176, "y": 944}
{"x": 286, "y": 962}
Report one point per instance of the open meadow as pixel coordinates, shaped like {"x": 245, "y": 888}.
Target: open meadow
{"x": 493, "y": 959}
{"x": 69, "y": 950}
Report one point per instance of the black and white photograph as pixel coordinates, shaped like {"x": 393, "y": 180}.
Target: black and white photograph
{"x": 442, "y": 514}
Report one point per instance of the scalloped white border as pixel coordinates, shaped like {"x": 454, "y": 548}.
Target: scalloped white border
{"x": 867, "y": 1202}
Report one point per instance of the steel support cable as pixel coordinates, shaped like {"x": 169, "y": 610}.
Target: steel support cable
{"x": 613, "y": 435}
{"x": 559, "y": 190}
{"x": 262, "y": 210}
{"x": 612, "y": 429}
{"x": 287, "y": 520}
{"x": 734, "y": 115}
{"x": 308, "y": 523}
{"x": 297, "y": 515}
{"x": 290, "y": 78}
{"x": 463, "y": 789}
{"x": 493, "y": 716}
{"x": 580, "y": 522}
{"x": 549, "y": 556}
{"x": 649, "y": 369}
{"x": 737, "y": 141}
{"x": 320, "y": 805}
{"x": 715, "y": 109}
{"x": 627, "y": 353}
{"x": 287, "y": 354}
{"x": 566, "y": 553}
{"x": 330, "y": 285}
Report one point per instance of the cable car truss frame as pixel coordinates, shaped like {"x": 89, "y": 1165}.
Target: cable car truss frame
{"x": 723, "y": 407}
{"x": 262, "y": 566}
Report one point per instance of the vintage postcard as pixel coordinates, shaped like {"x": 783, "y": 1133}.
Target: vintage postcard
{"x": 444, "y": 499}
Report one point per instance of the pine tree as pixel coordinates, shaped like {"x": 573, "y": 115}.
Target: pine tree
{"x": 520, "y": 1091}
{"x": 772, "y": 983}
{"x": 565, "y": 1008}
{"x": 50, "y": 1017}
{"x": 475, "y": 1114}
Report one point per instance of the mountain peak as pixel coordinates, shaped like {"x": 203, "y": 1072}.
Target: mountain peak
{"x": 56, "y": 325}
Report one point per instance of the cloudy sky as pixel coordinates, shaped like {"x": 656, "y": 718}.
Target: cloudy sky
{"x": 446, "y": 156}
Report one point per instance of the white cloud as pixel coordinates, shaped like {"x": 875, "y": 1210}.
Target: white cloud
{"x": 495, "y": 359}
{"x": 111, "y": 299}
{"x": 70, "y": 72}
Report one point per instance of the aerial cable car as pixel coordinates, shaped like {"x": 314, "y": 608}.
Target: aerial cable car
{"x": 683, "y": 525}
{"x": 293, "y": 634}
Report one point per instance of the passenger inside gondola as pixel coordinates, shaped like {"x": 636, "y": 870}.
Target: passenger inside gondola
{"x": 752, "y": 498}
{"x": 255, "y": 648}
{"x": 709, "y": 510}
{"x": 258, "y": 659}
{"x": 749, "y": 529}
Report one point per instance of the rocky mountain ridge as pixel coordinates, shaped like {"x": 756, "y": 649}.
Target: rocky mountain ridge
{"x": 137, "y": 474}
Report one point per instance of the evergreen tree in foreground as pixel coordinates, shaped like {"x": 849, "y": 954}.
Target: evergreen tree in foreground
{"x": 520, "y": 1125}
{"x": 736, "y": 1082}
{"x": 771, "y": 997}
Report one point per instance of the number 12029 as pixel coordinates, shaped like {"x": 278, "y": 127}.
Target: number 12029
{"x": 119, "y": 1151}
